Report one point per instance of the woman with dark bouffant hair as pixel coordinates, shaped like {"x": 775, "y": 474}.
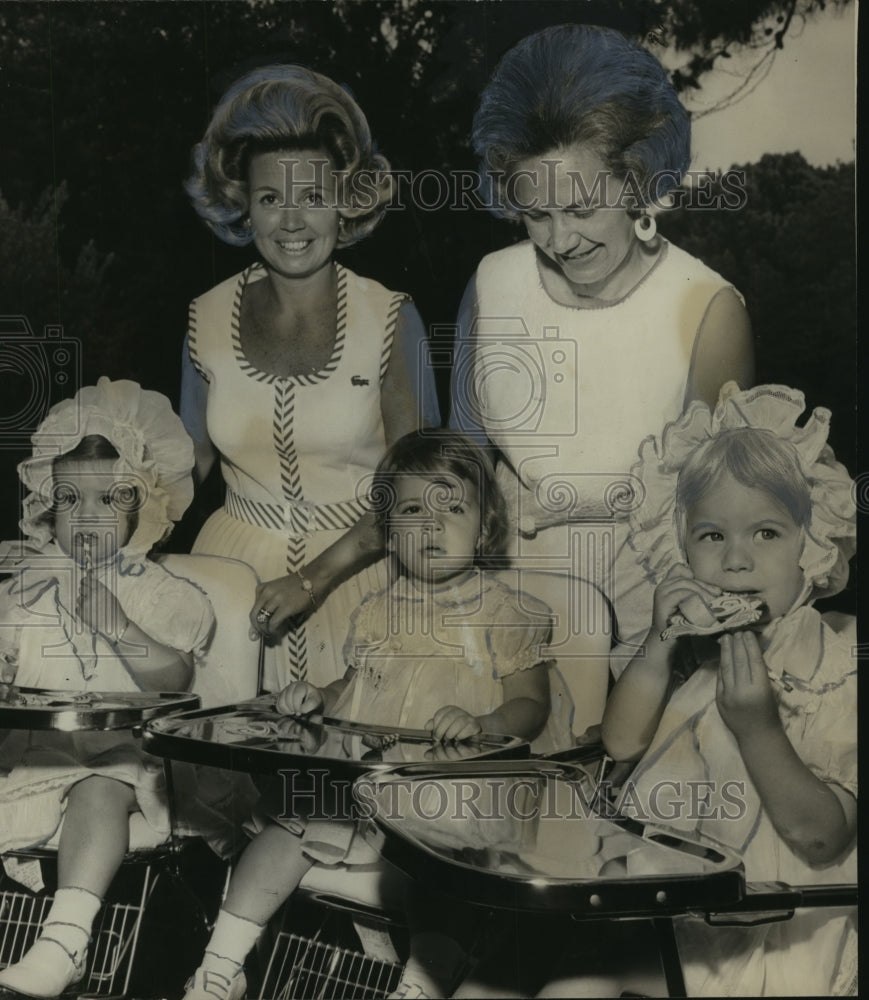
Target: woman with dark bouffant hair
{"x": 577, "y": 342}
{"x": 297, "y": 373}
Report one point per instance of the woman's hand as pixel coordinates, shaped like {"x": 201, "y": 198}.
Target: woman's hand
{"x": 300, "y": 698}
{"x": 277, "y": 603}
{"x": 453, "y": 723}
{"x": 743, "y": 691}
{"x": 99, "y": 609}
{"x": 681, "y": 591}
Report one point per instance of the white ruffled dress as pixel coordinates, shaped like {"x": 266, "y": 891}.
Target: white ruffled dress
{"x": 47, "y": 647}
{"x": 814, "y": 679}
{"x": 417, "y": 650}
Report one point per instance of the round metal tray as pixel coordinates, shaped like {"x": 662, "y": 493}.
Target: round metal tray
{"x": 72, "y": 711}
{"x": 532, "y": 835}
{"x": 252, "y": 736}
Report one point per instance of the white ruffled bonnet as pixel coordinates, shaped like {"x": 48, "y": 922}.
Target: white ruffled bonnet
{"x": 830, "y": 536}
{"x": 154, "y": 450}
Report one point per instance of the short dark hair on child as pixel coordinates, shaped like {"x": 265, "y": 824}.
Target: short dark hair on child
{"x": 754, "y": 457}
{"x": 91, "y": 448}
{"x": 424, "y": 453}
{"x": 96, "y": 448}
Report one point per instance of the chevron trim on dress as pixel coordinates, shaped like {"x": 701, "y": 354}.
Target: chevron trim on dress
{"x": 302, "y": 379}
{"x": 294, "y": 515}
{"x": 192, "y": 345}
{"x": 397, "y": 302}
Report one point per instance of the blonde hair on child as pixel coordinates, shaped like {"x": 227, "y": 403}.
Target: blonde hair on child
{"x": 756, "y": 458}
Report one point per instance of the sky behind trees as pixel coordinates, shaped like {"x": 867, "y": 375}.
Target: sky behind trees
{"x": 101, "y": 102}
{"x": 807, "y": 102}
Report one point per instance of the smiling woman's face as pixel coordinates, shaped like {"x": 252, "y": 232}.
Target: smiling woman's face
{"x": 564, "y": 198}
{"x": 293, "y": 210}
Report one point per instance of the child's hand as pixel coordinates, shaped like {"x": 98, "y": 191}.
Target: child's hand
{"x": 309, "y": 736}
{"x": 453, "y": 723}
{"x": 743, "y": 692}
{"x": 98, "y": 607}
{"x": 449, "y": 751}
{"x": 681, "y": 591}
{"x": 299, "y": 698}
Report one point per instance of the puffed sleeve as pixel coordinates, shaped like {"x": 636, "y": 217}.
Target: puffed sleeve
{"x": 822, "y": 721}
{"x": 520, "y": 633}
{"x": 172, "y": 610}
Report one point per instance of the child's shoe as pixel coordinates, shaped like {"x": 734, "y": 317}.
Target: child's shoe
{"x": 48, "y": 970}
{"x": 54, "y": 965}
{"x": 221, "y": 975}
{"x": 207, "y": 984}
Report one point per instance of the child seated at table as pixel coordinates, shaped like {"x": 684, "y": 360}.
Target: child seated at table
{"x": 85, "y": 610}
{"x": 743, "y": 501}
{"x": 448, "y": 647}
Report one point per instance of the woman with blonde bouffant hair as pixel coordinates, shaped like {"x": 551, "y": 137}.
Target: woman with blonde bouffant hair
{"x": 297, "y": 372}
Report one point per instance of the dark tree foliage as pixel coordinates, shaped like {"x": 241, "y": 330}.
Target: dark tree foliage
{"x": 100, "y": 104}
{"x": 790, "y": 250}
{"x": 711, "y": 32}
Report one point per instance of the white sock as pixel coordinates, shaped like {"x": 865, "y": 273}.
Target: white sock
{"x": 435, "y": 961}
{"x": 57, "y": 957}
{"x": 231, "y": 941}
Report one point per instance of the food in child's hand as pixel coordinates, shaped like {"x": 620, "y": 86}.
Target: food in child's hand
{"x": 730, "y": 610}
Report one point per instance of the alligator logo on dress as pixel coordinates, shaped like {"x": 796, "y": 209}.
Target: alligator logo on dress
{"x": 358, "y": 380}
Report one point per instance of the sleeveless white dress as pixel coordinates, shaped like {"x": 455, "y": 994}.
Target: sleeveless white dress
{"x": 296, "y": 454}
{"x": 567, "y": 394}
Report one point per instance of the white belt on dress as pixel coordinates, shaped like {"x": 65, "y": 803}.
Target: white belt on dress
{"x": 295, "y": 516}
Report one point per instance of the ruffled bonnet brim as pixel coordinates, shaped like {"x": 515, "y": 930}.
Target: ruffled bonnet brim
{"x": 155, "y": 453}
{"x": 830, "y": 536}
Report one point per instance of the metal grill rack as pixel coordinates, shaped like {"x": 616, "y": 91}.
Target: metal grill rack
{"x": 115, "y": 933}
{"x": 312, "y": 968}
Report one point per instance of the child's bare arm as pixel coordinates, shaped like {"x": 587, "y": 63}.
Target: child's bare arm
{"x": 637, "y": 701}
{"x": 523, "y": 712}
{"x": 155, "y": 666}
{"x": 526, "y": 704}
{"x": 816, "y": 819}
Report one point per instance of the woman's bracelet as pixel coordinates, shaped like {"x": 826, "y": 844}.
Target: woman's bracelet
{"x": 308, "y": 588}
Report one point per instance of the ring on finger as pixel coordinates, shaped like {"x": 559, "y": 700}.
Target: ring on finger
{"x": 262, "y": 616}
